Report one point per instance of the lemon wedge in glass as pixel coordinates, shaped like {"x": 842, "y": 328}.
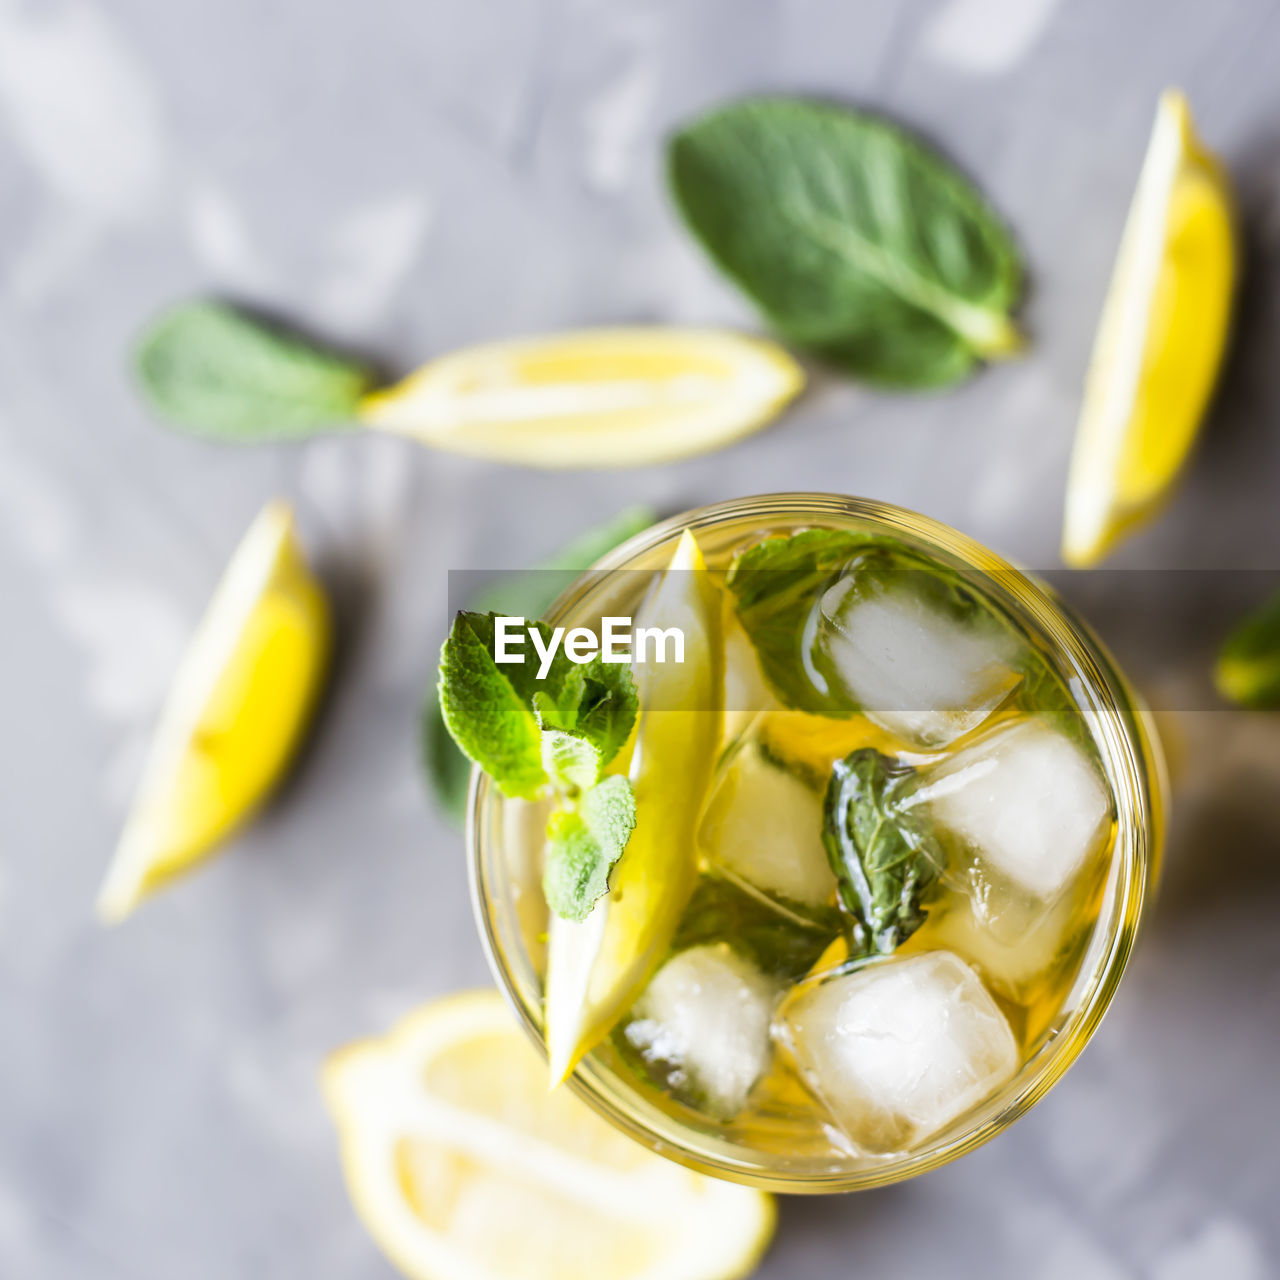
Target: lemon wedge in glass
{"x": 599, "y": 398}
{"x": 234, "y": 714}
{"x": 1160, "y": 341}
{"x": 596, "y": 968}
{"x": 463, "y": 1167}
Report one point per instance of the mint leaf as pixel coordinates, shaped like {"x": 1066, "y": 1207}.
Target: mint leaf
{"x": 571, "y": 763}
{"x": 783, "y": 945}
{"x": 583, "y": 844}
{"x": 211, "y": 369}
{"x": 856, "y": 241}
{"x": 776, "y": 585}
{"x": 498, "y": 713}
{"x": 488, "y": 708}
{"x": 1248, "y": 668}
{"x": 595, "y": 700}
{"x": 525, "y": 595}
{"x": 885, "y": 859}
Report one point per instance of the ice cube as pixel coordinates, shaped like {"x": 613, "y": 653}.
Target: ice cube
{"x": 899, "y": 1049}
{"x": 1022, "y": 966}
{"x": 919, "y": 670}
{"x": 703, "y": 1021}
{"x": 1028, "y": 808}
{"x": 762, "y": 826}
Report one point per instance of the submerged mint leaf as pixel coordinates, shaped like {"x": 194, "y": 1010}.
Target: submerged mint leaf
{"x": 776, "y": 585}
{"x": 211, "y": 369}
{"x": 488, "y": 708}
{"x": 583, "y": 844}
{"x": 885, "y": 859}
{"x": 526, "y": 595}
{"x": 1248, "y": 668}
{"x": 856, "y": 240}
{"x": 785, "y": 945}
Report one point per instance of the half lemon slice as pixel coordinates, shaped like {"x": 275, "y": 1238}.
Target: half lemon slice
{"x": 463, "y": 1167}
{"x": 234, "y": 714}
{"x": 596, "y": 968}
{"x": 602, "y": 398}
{"x": 1160, "y": 341}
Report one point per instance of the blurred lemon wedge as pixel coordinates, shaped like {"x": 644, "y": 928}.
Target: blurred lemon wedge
{"x": 234, "y": 714}
{"x": 599, "y": 398}
{"x": 1160, "y": 341}
{"x": 596, "y": 968}
{"x": 463, "y": 1167}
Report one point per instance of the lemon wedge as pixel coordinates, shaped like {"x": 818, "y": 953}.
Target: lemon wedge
{"x": 596, "y": 968}
{"x": 463, "y": 1167}
{"x": 234, "y": 714}
{"x": 1160, "y": 341}
{"x": 602, "y": 398}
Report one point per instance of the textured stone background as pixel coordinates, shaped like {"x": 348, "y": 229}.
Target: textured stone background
{"x": 410, "y": 176}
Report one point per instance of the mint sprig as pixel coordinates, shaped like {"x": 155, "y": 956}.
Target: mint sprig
{"x": 551, "y": 734}
{"x": 214, "y": 370}
{"x": 528, "y": 594}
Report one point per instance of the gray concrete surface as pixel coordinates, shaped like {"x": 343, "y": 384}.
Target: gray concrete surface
{"x": 411, "y": 176}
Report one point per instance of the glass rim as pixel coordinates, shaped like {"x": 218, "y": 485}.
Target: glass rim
{"x": 1135, "y": 770}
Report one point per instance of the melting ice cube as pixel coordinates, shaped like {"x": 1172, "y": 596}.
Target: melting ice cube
{"x": 1029, "y": 807}
{"x": 704, "y": 1019}
{"x": 899, "y": 1049}
{"x": 762, "y": 827}
{"x": 922, "y": 672}
{"x": 1020, "y": 966}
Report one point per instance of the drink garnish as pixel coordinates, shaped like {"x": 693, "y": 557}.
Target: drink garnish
{"x": 552, "y": 735}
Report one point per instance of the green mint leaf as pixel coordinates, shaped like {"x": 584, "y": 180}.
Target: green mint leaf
{"x": 608, "y": 708}
{"x": 583, "y": 844}
{"x": 523, "y": 595}
{"x": 213, "y": 370}
{"x": 856, "y": 240}
{"x": 497, "y": 713}
{"x": 595, "y": 700}
{"x": 571, "y": 763}
{"x": 488, "y": 707}
{"x": 559, "y": 709}
{"x": 1248, "y": 668}
{"x": 885, "y": 859}
{"x": 783, "y": 945}
{"x": 776, "y": 585}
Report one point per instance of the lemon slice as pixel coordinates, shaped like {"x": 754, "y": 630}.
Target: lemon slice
{"x": 233, "y": 716}
{"x": 603, "y": 398}
{"x": 1160, "y": 340}
{"x": 463, "y": 1167}
{"x": 596, "y": 968}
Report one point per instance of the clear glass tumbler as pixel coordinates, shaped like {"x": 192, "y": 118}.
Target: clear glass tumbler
{"x": 504, "y": 849}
